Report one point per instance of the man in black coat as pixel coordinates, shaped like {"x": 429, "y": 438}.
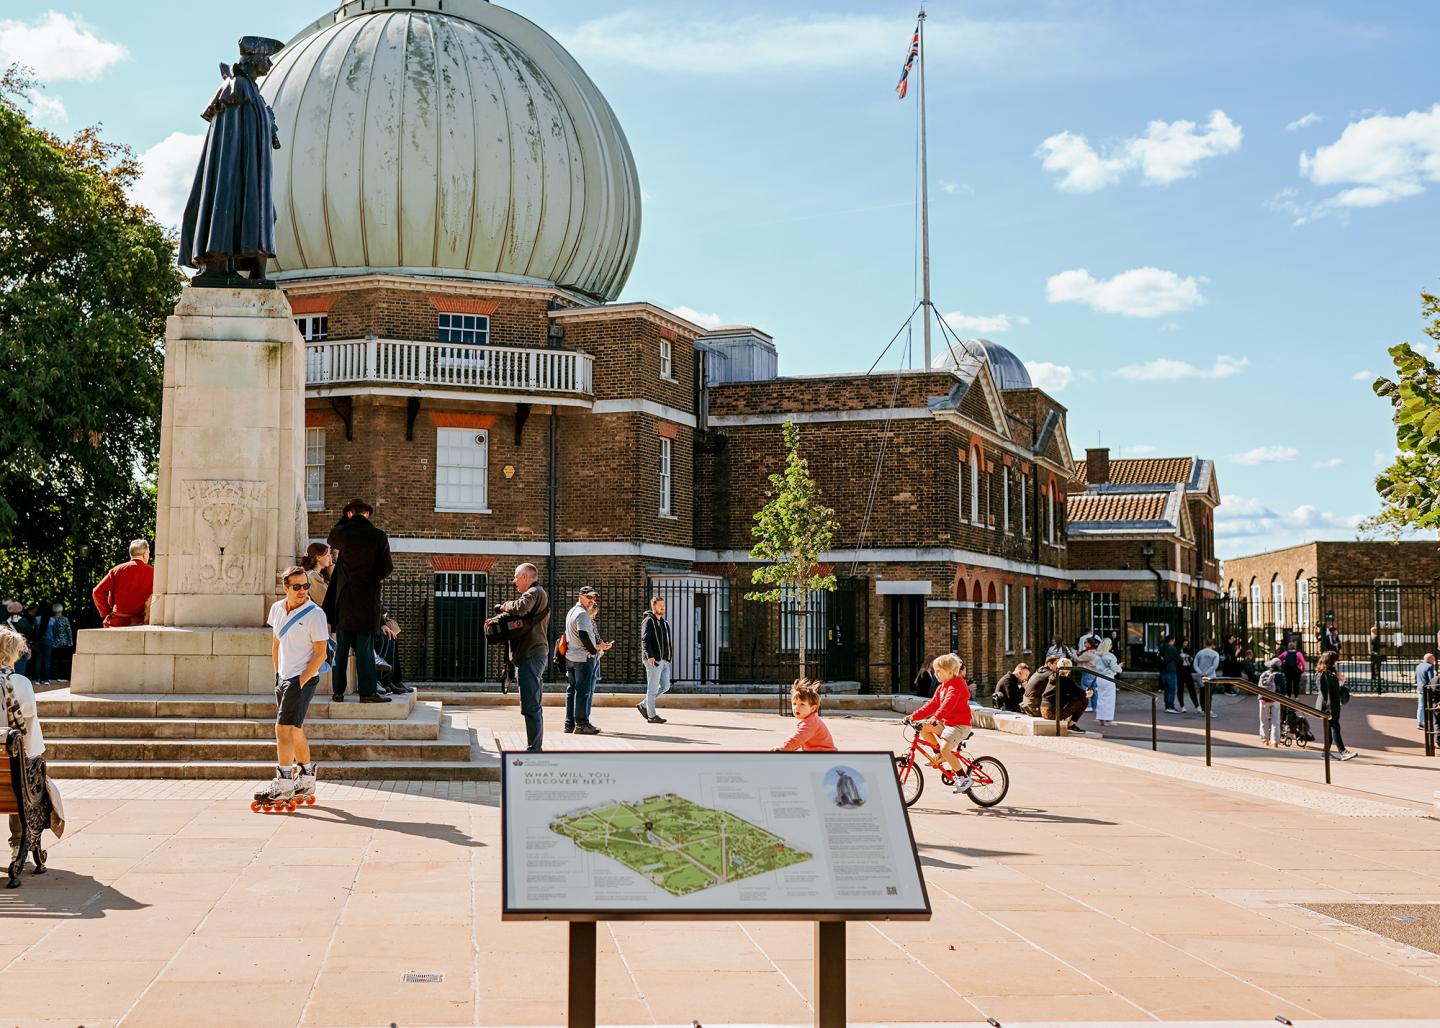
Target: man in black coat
{"x": 1010, "y": 690}
{"x": 352, "y": 602}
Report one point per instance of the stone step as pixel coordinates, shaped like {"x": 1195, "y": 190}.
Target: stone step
{"x": 424, "y": 723}
{"x": 481, "y": 768}
{"x": 64, "y": 703}
{"x": 453, "y": 744}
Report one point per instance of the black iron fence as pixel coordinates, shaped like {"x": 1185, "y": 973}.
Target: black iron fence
{"x": 1381, "y": 630}
{"x": 718, "y": 637}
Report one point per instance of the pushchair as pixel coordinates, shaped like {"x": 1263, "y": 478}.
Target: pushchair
{"x": 1295, "y": 729}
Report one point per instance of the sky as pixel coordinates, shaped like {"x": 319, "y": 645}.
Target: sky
{"x": 1200, "y": 224}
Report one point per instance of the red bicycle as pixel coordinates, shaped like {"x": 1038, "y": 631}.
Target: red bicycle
{"x": 989, "y": 781}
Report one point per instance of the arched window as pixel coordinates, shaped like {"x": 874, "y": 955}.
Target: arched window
{"x": 1302, "y": 602}
{"x": 1257, "y": 612}
{"x": 976, "y": 459}
{"x": 1277, "y": 601}
{"x": 1050, "y": 513}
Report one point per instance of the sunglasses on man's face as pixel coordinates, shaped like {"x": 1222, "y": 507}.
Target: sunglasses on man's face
{"x": 297, "y": 587}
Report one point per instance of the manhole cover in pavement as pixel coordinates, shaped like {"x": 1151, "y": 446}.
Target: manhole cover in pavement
{"x": 1414, "y": 924}
{"x": 417, "y": 976}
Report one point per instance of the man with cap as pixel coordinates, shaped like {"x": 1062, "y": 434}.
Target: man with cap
{"x": 582, "y": 660}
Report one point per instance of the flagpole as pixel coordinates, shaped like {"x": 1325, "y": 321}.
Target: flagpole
{"x": 924, "y": 196}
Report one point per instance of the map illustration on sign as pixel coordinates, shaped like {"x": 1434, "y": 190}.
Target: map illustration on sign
{"x": 678, "y": 845}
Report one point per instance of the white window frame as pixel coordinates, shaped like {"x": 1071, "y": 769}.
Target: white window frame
{"x": 1024, "y": 506}
{"x": 975, "y": 461}
{"x": 667, "y": 360}
{"x": 1050, "y": 515}
{"x": 464, "y": 329}
{"x": 1302, "y": 604}
{"x": 314, "y": 469}
{"x": 454, "y": 441}
{"x": 1024, "y": 619}
{"x": 1277, "y": 601}
{"x": 666, "y": 479}
{"x": 1005, "y": 498}
{"x": 1105, "y": 612}
{"x": 1005, "y": 611}
{"x": 960, "y": 488}
{"x": 460, "y": 583}
{"x": 1256, "y": 608}
{"x": 1387, "y": 588}
{"x": 314, "y": 328}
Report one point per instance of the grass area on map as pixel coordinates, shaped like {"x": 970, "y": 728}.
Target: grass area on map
{"x": 680, "y": 846}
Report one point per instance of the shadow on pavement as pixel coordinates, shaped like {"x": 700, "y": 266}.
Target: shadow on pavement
{"x": 419, "y": 829}
{"x": 63, "y": 895}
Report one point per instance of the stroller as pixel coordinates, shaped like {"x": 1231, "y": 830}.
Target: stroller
{"x": 1295, "y": 729}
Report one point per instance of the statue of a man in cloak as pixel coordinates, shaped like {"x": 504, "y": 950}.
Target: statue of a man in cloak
{"x": 229, "y": 224}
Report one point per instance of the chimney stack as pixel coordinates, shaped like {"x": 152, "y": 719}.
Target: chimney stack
{"x": 1097, "y": 465}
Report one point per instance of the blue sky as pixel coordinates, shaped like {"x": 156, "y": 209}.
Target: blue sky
{"x": 1201, "y": 221}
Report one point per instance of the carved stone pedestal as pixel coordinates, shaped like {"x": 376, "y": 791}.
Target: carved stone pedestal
{"x": 230, "y": 504}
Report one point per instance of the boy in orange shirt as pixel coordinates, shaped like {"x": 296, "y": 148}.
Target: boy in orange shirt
{"x": 811, "y": 735}
{"x": 945, "y": 720}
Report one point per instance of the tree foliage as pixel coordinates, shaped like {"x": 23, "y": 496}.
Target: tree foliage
{"x": 1410, "y": 487}
{"x": 794, "y": 530}
{"x": 86, "y": 281}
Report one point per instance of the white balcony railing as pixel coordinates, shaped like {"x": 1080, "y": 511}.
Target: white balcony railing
{"x": 453, "y": 365}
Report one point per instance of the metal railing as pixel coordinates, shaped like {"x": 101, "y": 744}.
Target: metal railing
{"x": 459, "y": 365}
{"x": 1303, "y": 709}
{"x": 1430, "y": 709}
{"x": 1074, "y": 672}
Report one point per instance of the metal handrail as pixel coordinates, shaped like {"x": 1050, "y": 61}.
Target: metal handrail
{"x": 1431, "y": 728}
{"x": 1274, "y": 697}
{"x": 1152, "y": 693}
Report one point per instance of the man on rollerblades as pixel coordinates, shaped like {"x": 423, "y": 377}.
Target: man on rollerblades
{"x": 299, "y": 651}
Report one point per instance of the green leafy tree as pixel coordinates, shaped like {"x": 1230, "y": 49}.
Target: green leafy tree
{"x": 794, "y": 529}
{"x": 87, "y": 279}
{"x": 1410, "y": 487}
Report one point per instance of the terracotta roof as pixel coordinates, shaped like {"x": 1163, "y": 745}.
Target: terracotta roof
{"x": 1145, "y": 471}
{"x": 1117, "y": 506}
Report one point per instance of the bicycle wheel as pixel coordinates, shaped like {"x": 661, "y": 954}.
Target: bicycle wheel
{"x": 989, "y": 782}
{"x": 912, "y": 782}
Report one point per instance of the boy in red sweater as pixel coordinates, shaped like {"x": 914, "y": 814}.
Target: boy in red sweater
{"x": 811, "y": 735}
{"x": 945, "y": 720}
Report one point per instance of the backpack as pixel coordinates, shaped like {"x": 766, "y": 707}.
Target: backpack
{"x": 1272, "y": 680}
{"x": 1292, "y": 661}
{"x": 508, "y": 629}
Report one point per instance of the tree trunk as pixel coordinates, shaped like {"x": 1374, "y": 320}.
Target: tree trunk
{"x": 802, "y": 639}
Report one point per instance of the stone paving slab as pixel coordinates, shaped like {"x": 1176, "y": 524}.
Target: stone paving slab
{"x": 1100, "y": 892}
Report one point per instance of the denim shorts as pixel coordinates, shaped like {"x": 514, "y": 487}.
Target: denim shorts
{"x": 293, "y": 699}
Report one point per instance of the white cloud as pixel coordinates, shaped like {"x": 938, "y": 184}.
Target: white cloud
{"x": 1332, "y": 462}
{"x": 1377, "y": 160}
{"x": 1304, "y": 121}
{"x": 167, "y": 170}
{"x": 1168, "y": 151}
{"x": 1050, "y": 377}
{"x": 1266, "y": 455}
{"x": 984, "y": 323}
{"x": 1164, "y": 369}
{"x": 698, "y": 317}
{"x": 956, "y": 187}
{"x": 57, "y": 47}
{"x": 1242, "y": 518}
{"x": 1363, "y": 376}
{"x": 48, "y": 109}
{"x": 1137, "y": 293}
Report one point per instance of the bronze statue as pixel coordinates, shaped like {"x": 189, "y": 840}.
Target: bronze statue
{"x": 229, "y": 224}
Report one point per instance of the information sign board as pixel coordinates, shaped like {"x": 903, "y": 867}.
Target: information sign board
{"x": 689, "y": 835}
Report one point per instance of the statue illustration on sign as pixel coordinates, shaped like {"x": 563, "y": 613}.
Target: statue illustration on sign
{"x": 229, "y": 223}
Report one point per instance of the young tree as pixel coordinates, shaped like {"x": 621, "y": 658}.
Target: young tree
{"x": 86, "y": 281}
{"x": 1410, "y": 487}
{"x": 794, "y": 529}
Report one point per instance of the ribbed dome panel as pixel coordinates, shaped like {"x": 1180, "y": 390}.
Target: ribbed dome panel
{"x": 451, "y": 137}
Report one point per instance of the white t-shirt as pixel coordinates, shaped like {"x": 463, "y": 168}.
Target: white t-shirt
{"x": 25, "y": 696}
{"x": 298, "y": 644}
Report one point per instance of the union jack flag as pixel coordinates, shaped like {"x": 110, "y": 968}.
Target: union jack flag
{"x": 904, "y": 82}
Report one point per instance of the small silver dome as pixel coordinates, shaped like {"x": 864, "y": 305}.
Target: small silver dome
{"x": 1007, "y": 369}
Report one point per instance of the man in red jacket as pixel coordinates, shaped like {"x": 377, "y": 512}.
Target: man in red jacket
{"x": 123, "y": 595}
{"x": 945, "y": 720}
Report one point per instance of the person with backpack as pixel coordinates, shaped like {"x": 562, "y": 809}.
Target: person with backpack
{"x": 528, "y": 649}
{"x": 1270, "y": 710}
{"x": 1186, "y": 679}
{"x": 1333, "y": 696}
{"x": 582, "y": 662}
{"x": 1293, "y": 663}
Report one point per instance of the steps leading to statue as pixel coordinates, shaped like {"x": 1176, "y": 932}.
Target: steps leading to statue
{"x": 156, "y": 735}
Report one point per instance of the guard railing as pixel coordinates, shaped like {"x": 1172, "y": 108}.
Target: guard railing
{"x": 1080, "y": 672}
{"x": 1289, "y": 702}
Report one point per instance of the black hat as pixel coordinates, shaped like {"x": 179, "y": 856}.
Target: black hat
{"x": 260, "y": 46}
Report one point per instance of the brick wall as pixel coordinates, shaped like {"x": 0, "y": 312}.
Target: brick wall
{"x": 1409, "y": 563}
{"x": 413, "y": 314}
{"x": 627, "y": 357}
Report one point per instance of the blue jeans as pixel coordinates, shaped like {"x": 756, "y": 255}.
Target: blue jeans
{"x": 579, "y": 690}
{"x": 657, "y": 683}
{"x": 1170, "y": 684}
{"x": 529, "y": 670}
{"x": 363, "y": 643}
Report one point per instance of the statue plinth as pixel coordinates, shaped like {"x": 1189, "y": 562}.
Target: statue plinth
{"x": 230, "y": 507}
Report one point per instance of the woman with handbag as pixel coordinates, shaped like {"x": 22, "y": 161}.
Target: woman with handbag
{"x": 1333, "y": 696}
{"x": 26, "y": 795}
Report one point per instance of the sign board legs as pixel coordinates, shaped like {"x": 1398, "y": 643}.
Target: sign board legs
{"x": 829, "y": 990}
{"x": 580, "y": 990}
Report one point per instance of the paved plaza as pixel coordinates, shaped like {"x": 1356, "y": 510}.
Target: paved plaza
{"x": 1112, "y": 885}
